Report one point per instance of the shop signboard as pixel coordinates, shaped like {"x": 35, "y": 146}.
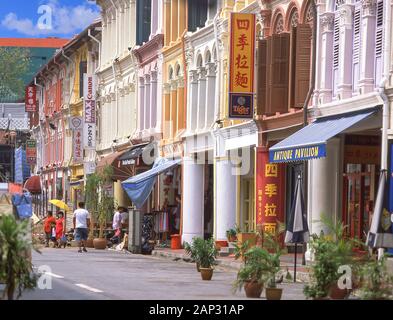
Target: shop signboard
{"x": 31, "y": 99}
{"x": 76, "y": 123}
{"x": 241, "y": 66}
{"x": 89, "y": 167}
{"x": 89, "y": 112}
{"x": 31, "y": 152}
{"x": 77, "y": 146}
{"x": 298, "y": 154}
{"x": 269, "y": 192}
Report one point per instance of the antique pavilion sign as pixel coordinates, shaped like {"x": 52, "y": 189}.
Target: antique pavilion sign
{"x": 241, "y": 65}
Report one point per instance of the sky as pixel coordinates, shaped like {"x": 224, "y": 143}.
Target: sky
{"x": 45, "y": 18}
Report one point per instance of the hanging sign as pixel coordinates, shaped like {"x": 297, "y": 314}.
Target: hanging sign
{"x": 78, "y": 146}
{"x": 241, "y": 65}
{"x": 31, "y": 152}
{"x": 76, "y": 123}
{"x": 269, "y": 192}
{"x": 31, "y": 99}
{"x": 89, "y": 112}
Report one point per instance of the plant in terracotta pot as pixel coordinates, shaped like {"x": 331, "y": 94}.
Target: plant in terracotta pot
{"x": 231, "y": 235}
{"x": 92, "y": 201}
{"x": 205, "y": 253}
{"x": 376, "y": 282}
{"x": 252, "y": 274}
{"x": 193, "y": 249}
{"x": 105, "y": 206}
{"x": 330, "y": 252}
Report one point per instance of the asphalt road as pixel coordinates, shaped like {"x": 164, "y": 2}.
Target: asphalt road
{"x": 108, "y": 275}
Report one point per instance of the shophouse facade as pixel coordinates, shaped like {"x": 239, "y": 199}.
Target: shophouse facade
{"x": 117, "y": 81}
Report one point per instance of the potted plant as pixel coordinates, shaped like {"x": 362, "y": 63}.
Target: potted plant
{"x": 16, "y": 269}
{"x": 330, "y": 252}
{"x": 246, "y": 235}
{"x": 105, "y": 206}
{"x": 252, "y": 274}
{"x": 206, "y": 253}
{"x": 376, "y": 283}
{"x": 272, "y": 261}
{"x": 92, "y": 201}
{"x": 193, "y": 249}
{"x": 231, "y": 235}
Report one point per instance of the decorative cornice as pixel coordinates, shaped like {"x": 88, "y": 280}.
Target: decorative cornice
{"x": 327, "y": 21}
{"x": 202, "y": 73}
{"x": 369, "y": 7}
{"x": 211, "y": 69}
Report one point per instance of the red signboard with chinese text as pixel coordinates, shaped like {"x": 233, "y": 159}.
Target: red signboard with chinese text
{"x": 31, "y": 99}
{"x": 78, "y": 146}
{"x": 270, "y": 191}
{"x": 241, "y": 65}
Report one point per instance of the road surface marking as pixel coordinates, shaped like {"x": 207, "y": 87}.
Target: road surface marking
{"x": 81, "y": 285}
{"x": 53, "y": 275}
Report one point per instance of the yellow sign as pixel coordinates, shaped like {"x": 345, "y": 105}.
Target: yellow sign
{"x": 242, "y": 52}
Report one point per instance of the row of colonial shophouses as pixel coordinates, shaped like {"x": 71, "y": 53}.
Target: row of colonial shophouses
{"x": 159, "y": 78}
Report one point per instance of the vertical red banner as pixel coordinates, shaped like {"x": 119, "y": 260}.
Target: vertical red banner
{"x": 31, "y": 99}
{"x": 270, "y": 191}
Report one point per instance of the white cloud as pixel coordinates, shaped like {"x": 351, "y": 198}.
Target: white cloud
{"x": 66, "y": 20}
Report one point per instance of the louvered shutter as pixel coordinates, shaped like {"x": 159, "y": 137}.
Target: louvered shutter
{"x": 292, "y": 67}
{"x": 261, "y": 82}
{"x": 82, "y": 71}
{"x": 356, "y": 49}
{"x": 379, "y": 42}
{"x": 336, "y": 52}
{"x": 303, "y": 64}
{"x": 278, "y": 74}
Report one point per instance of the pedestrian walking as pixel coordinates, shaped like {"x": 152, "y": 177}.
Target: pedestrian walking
{"x": 49, "y": 224}
{"x": 60, "y": 228}
{"x": 81, "y": 222}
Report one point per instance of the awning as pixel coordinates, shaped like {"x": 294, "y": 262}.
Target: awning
{"x": 132, "y": 154}
{"x": 120, "y": 172}
{"x": 33, "y": 184}
{"x": 310, "y": 141}
{"x": 139, "y": 187}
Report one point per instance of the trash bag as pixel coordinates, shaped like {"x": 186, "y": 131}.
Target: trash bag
{"x": 24, "y": 205}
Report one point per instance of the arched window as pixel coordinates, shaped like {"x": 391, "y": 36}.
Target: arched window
{"x": 170, "y": 73}
{"x": 279, "y": 26}
{"x": 294, "y": 20}
{"x": 208, "y": 57}
{"x": 199, "y": 61}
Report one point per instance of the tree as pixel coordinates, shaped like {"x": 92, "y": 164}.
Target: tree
{"x": 14, "y": 64}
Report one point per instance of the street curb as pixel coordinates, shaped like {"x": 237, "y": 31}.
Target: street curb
{"x": 228, "y": 265}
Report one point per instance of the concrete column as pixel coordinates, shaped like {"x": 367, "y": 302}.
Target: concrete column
{"x": 167, "y": 111}
{"x": 147, "y": 103}
{"x": 201, "y": 97}
{"x": 153, "y": 99}
{"x": 180, "y": 104}
{"x": 344, "y": 88}
{"x": 181, "y": 17}
{"x": 154, "y": 18}
{"x": 325, "y": 187}
{"x": 326, "y": 64}
{"x": 160, "y": 17}
{"x": 173, "y": 108}
{"x": 210, "y": 94}
{"x": 193, "y": 202}
{"x": 192, "y": 113}
{"x": 367, "y": 51}
{"x": 132, "y": 13}
{"x": 226, "y": 195}
{"x": 141, "y": 104}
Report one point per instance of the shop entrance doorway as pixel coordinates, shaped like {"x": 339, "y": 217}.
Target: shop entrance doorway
{"x": 360, "y": 187}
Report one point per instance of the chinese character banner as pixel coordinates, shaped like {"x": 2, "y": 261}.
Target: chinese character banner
{"x": 241, "y": 66}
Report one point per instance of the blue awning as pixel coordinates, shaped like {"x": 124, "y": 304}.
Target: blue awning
{"x": 310, "y": 141}
{"x": 138, "y": 188}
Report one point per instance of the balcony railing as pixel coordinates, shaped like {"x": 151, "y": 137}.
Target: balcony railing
{"x": 15, "y": 123}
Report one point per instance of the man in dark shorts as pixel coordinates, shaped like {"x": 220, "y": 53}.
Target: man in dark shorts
{"x": 81, "y": 225}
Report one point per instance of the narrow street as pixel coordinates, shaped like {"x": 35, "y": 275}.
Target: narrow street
{"x": 110, "y": 275}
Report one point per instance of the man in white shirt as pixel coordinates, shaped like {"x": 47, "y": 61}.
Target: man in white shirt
{"x": 117, "y": 223}
{"x": 81, "y": 222}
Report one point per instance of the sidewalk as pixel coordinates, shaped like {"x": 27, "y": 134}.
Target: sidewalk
{"x": 287, "y": 262}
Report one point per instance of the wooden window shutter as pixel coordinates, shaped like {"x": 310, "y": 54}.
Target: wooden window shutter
{"x": 356, "y": 49}
{"x": 261, "y": 77}
{"x": 82, "y": 71}
{"x": 379, "y": 43}
{"x": 303, "y": 64}
{"x": 278, "y": 75}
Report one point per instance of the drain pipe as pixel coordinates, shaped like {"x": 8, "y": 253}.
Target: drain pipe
{"x": 99, "y": 49}
{"x": 306, "y": 103}
{"x": 382, "y": 93}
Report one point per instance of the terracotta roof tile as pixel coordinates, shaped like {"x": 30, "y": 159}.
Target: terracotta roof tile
{"x": 33, "y": 42}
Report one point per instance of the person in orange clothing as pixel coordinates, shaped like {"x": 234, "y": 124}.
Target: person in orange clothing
{"x": 49, "y": 223}
{"x": 59, "y": 228}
